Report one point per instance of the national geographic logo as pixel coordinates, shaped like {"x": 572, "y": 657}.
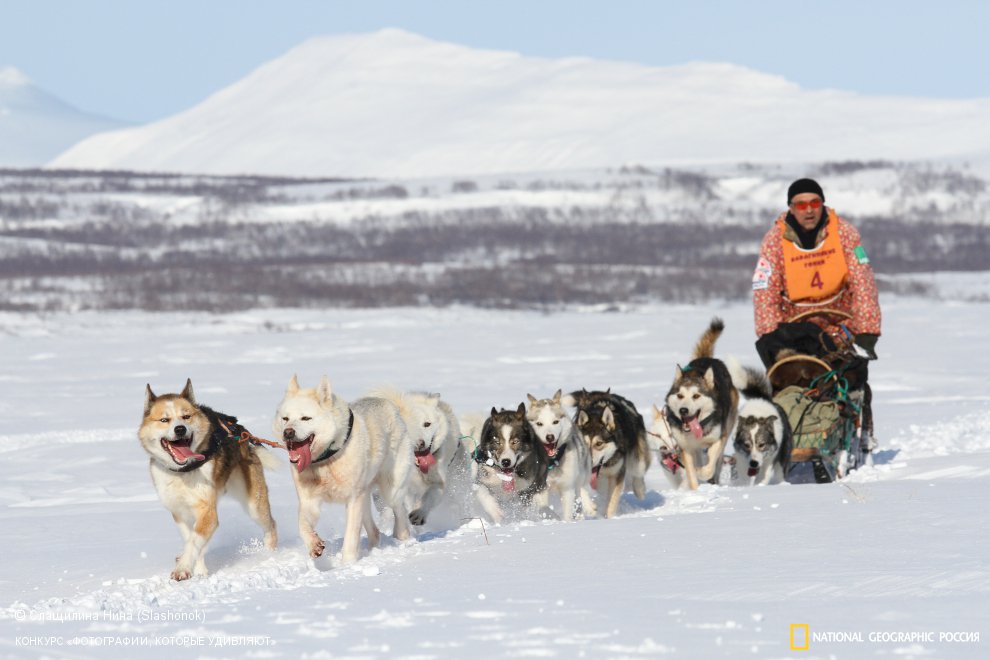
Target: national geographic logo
{"x": 801, "y": 637}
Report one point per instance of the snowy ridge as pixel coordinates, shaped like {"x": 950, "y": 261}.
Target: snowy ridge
{"x": 36, "y": 126}
{"x": 395, "y": 104}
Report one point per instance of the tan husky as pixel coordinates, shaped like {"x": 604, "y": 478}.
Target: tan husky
{"x": 194, "y": 461}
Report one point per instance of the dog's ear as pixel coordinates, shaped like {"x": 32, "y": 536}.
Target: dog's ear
{"x": 324, "y": 393}
{"x": 532, "y": 399}
{"x": 608, "y": 391}
{"x": 434, "y": 399}
{"x": 494, "y": 412}
{"x": 710, "y": 378}
{"x": 293, "y": 385}
{"x": 187, "y": 392}
{"x": 556, "y": 396}
{"x": 521, "y": 410}
{"x": 656, "y": 411}
{"x": 582, "y": 418}
{"x": 568, "y": 401}
{"x": 679, "y": 373}
{"x": 608, "y": 419}
{"x": 149, "y": 398}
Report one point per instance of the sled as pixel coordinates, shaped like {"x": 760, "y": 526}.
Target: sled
{"x": 825, "y": 406}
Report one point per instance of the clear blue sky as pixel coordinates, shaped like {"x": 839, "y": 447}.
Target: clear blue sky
{"x": 141, "y": 60}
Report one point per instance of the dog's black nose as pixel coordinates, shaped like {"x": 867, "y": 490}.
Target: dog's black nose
{"x": 551, "y": 437}
{"x": 288, "y": 434}
{"x": 506, "y": 462}
{"x": 683, "y": 412}
{"x": 180, "y": 431}
{"x": 754, "y": 464}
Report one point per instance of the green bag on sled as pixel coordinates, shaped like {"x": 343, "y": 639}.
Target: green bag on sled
{"x": 817, "y": 424}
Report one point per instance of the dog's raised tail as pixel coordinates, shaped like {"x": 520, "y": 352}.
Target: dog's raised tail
{"x": 705, "y": 348}
{"x": 750, "y": 381}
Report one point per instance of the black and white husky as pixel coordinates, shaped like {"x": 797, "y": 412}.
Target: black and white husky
{"x": 763, "y": 440}
{"x": 569, "y": 459}
{"x": 512, "y": 466}
{"x": 702, "y": 406}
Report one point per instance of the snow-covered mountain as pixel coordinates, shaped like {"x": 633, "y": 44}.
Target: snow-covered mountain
{"x": 395, "y": 104}
{"x": 36, "y": 126}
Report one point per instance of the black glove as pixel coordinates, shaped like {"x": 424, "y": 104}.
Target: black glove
{"x": 868, "y": 342}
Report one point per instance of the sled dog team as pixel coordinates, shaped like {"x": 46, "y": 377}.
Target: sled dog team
{"x": 409, "y": 448}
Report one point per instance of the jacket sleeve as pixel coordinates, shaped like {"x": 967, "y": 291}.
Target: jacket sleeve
{"x": 862, "y": 284}
{"x": 768, "y": 282}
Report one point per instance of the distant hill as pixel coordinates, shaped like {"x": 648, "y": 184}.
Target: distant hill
{"x": 120, "y": 240}
{"x": 395, "y": 104}
{"x": 36, "y": 126}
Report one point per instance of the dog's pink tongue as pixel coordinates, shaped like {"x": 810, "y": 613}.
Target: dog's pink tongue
{"x": 695, "y": 427}
{"x": 509, "y": 485}
{"x": 594, "y": 478}
{"x": 186, "y": 454}
{"x": 424, "y": 461}
{"x": 301, "y": 457}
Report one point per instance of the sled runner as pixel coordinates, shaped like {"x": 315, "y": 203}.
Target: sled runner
{"x": 827, "y": 401}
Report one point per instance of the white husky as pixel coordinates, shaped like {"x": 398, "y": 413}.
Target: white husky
{"x": 570, "y": 459}
{"x": 340, "y": 453}
{"x": 662, "y": 440}
{"x": 434, "y": 432}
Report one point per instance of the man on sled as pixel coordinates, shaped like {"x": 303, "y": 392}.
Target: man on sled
{"x": 817, "y": 314}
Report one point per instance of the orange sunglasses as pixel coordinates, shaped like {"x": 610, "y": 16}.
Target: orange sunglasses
{"x": 804, "y": 206}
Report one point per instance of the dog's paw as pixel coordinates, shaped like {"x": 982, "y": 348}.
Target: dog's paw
{"x": 417, "y": 517}
{"x": 180, "y": 574}
{"x": 316, "y": 549}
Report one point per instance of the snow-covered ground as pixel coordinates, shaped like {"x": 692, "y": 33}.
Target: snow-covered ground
{"x": 897, "y": 550}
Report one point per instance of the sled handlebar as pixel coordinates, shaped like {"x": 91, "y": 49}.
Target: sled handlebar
{"x": 825, "y": 366}
{"x": 827, "y": 311}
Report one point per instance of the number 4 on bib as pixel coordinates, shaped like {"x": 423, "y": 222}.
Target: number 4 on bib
{"x": 816, "y": 281}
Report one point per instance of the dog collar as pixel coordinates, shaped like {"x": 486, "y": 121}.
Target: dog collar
{"x": 329, "y": 452}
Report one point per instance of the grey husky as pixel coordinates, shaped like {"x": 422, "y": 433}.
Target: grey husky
{"x": 614, "y": 431}
{"x": 512, "y": 466}
{"x": 762, "y": 442}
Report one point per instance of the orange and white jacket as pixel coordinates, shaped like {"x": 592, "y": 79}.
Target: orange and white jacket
{"x": 771, "y": 304}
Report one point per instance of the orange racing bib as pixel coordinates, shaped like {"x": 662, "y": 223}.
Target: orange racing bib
{"x": 817, "y": 273}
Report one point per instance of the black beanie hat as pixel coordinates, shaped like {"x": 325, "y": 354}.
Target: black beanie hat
{"x": 804, "y": 186}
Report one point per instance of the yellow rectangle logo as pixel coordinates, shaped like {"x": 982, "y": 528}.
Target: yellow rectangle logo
{"x": 807, "y": 636}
